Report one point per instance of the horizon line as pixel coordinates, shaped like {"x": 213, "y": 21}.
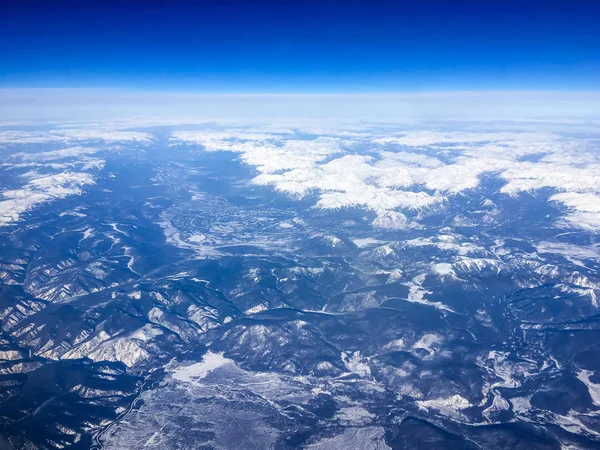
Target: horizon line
{"x": 116, "y": 89}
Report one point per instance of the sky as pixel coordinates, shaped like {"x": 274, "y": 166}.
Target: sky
{"x": 327, "y": 46}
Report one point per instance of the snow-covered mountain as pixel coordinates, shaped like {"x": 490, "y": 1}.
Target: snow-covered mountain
{"x": 366, "y": 285}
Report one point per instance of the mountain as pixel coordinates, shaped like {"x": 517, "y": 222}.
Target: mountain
{"x": 265, "y": 286}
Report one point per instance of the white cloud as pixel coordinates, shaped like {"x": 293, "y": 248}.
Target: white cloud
{"x": 585, "y": 209}
{"x": 107, "y": 136}
{"x": 371, "y": 166}
{"x": 415, "y": 170}
{"x": 70, "y": 152}
{"x": 42, "y": 189}
{"x": 323, "y": 166}
{"x": 570, "y": 251}
{"x": 49, "y": 177}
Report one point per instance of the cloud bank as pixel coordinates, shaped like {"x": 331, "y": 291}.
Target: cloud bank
{"x": 75, "y": 104}
{"x": 417, "y": 170}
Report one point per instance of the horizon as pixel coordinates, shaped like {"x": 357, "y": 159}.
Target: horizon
{"x": 324, "y": 47}
{"x": 111, "y": 103}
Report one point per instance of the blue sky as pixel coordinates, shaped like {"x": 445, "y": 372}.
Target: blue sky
{"x": 308, "y": 46}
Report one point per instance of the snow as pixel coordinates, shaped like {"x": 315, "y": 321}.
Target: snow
{"x": 355, "y": 415}
{"x": 365, "y": 242}
{"x": 356, "y": 363}
{"x": 455, "y": 401}
{"x": 416, "y": 294}
{"x": 127, "y": 351}
{"x": 498, "y": 404}
{"x": 10, "y": 355}
{"x": 593, "y": 388}
{"x": 89, "y": 232}
{"x": 332, "y": 241}
{"x": 23, "y": 367}
{"x": 146, "y": 333}
{"x": 443, "y": 269}
{"x": 210, "y": 361}
{"x": 391, "y": 220}
{"x": 85, "y": 348}
{"x": 428, "y": 341}
{"x": 466, "y": 264}
{"x": 256, "y": 309}
{"x": 364, "y": 438}
{"x": 448, "y": 406}
{"x": 197, "y": 238}
{"x": 520, "y": 405}
{"x": 395, "y": 345}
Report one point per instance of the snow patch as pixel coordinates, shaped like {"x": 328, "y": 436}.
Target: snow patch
{"x": 210, "y": 361}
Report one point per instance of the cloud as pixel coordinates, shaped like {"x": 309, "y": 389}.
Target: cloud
{"x": 40, "y": 189}
{"x": 570, "y": 251}
{"x": 380, "y": 167}
{"x": 106, "y": 136}
{"x": 585, "y": 208}
{"x": 51, "y": 175}
{"x": 52, "y": 155}
{"x": 299, "y": 167}
{"x": 416, "y": 170}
